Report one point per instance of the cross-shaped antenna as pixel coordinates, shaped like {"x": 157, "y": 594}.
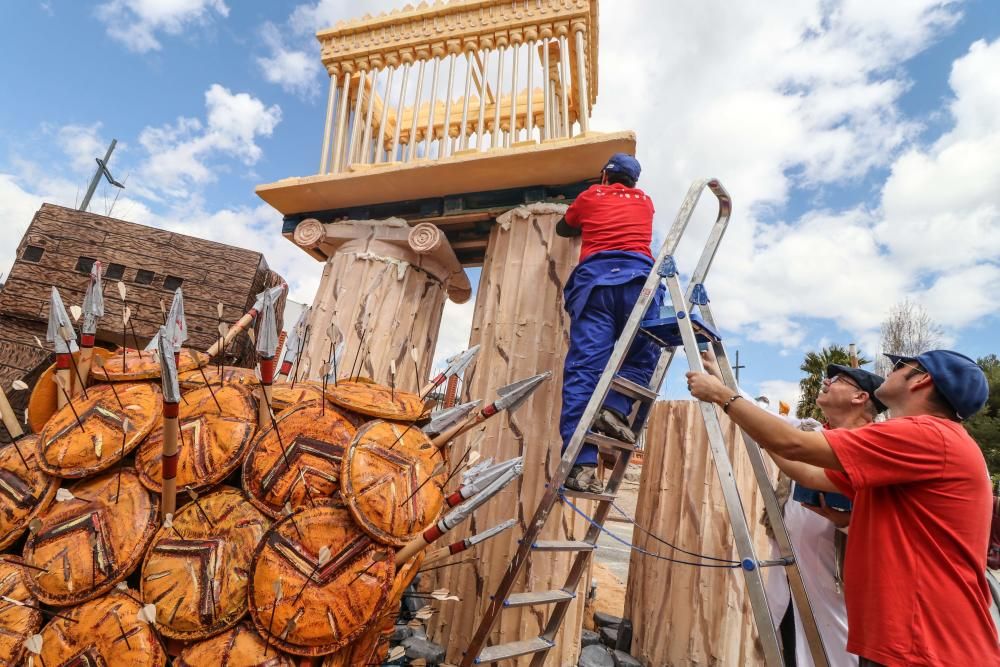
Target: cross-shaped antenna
{"x": 102, "y": 170}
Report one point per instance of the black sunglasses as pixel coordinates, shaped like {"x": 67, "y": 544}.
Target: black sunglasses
{"x": 902, "y": 363}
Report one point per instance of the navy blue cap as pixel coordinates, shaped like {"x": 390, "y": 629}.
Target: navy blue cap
{"x": 866, "y": 380}
{"x": 957, "y": 378}
{"x": 622, "y": 163}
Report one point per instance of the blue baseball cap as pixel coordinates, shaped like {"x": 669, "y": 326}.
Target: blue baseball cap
{"x": 622, "y": 163}
{"x": 958, "y": 379}
{"x": 866, "y": 381}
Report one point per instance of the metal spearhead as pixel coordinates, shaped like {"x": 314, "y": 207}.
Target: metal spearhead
{"x": 492, "y": 532}
{"x": 177, "y": 330}
{"x": 168, "y": 368}
{"x": 489, "y": 475}
{"x": 461, "y": 361}
{"x": 476, "y": 470}
{"x": 93, "y": 301}
{"x": 463, "y": 511}
{"x": 330, "y": 367}
{"x": 267, "y": 338}
{"x": 274, "y": 292}
{"x": 516, "y": 393}
{"x": 60, "y": 331}
{"x": 442, "y": 420}
{"x": 295, "y": 335}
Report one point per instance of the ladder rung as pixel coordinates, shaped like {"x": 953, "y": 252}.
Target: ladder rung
{"x": 632, "y": 389}
{"x": 537, "y": 597}
{"x": 562, "y": 545}
{"x": 512, "y": 650}
{"x": 583, "y": 495}
{"x": 608, "y": 444}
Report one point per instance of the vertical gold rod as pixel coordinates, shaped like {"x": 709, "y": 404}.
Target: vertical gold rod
{"x": 380, "y": 141}
{"x": 480, "y": 127}
{"x": 411, "y": 153}
{"x": 546, "y": 92}
{"x": 564, "y": 82}
{"x": 512, "y": 135}
{"x": 352, "y": 139}
{"x": 496, "y": 115}
{"x": 446, "y": 123}
{"x": 463, "y": 129}
{"x": 328, "y": 125}
{"x": 399, "y": 112}
{"x": 583, "y": 101}
{"x": 432, "y": 107}
{"x": 366, "y": 140}
{"x": 529, "y": 119}
{"x": 338, "y": 142}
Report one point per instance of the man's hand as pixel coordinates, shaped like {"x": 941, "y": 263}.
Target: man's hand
{"x": 706, "y": 387}
{"x": 836, "y": 517}
{"x": 710, "y": 362}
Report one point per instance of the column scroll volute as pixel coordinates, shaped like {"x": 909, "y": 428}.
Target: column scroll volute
{"x": 562, "y": 28}
{"x": 531, "y": 34}
{"x": 438, "y": 49}
{"x": 406, "y": 55}
{"x": 517, "y": 36}
{"x": 502, "y": 39}
{"x": 545, "y": 31}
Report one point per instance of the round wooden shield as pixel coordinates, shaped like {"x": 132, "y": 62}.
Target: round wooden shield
{"x": 239, "y": 647}
{"x": 17, "y": 621}
{"x": 194, "y": 379}
{"x": 211, "y": 444}
{"x": 86, "y": 545}
{"x": 196, "y": 571}
{"x": 66, "y": 450}
{"x": 375, "y": 400}
{"x": 25, "y": 492}
{"x": 136, "y": 365}
{"x": 43, "y": 402}
{"x": 372, "y": 647}
{"x": 283, "y": 396}
{"x": 306, "y": 607}
{"x": 389, "y": 483}
{"x": 103, "y": 632}
{"x": 303, "y": 465}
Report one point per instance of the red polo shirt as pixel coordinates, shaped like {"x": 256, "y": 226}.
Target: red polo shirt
{"x": 914, "y": 577}
{"x": 612, "y": 217}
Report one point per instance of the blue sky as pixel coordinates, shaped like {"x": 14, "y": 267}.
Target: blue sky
{"x": 858, "y": 139}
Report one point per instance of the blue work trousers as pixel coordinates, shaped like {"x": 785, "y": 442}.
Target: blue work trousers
{"x": 592, "y": 337}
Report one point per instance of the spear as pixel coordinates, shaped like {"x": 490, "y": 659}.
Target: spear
{"x": 377, "y": 557}
{"x": 99, "y": 362}
{"x": 456, "y": 516}
{"x": 511, "y": 397}
{"x": 336, "y": 338}
{"x": 194, "y": 498}
{"x": 442, "y": 420}
{"x": 287, "y": 511}
{"x": 244, "y": 322}
{"x": 126, "y": 314}
{"x": 457, "y": 562}
{"x": 10, "y": 420}
{"x": 298, "y": 357}
{"x": 22, "y": 603}
{"x": 121, "y": 459}
{"x": 93, "y": 310}
{"x": 438, "y": 469}
{"x": 392, "y": 380}
{"x": 171, "y": 399}
{"x": 61, "y": 383}
{"x": 267, "y": 347}
{"x": 324, "y": 558}
{"x": 478, "y": 484}
{"x": 469, "y": 542}
{"x": 456, "y": 366}
{"x": 293, "y": 344}
{"x": 60, "y": 333}
{"x": 194, "y": 358}
{"x": 277, "y": 598}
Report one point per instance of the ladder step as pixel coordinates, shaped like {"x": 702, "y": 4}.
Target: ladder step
{"x": 537, "y": 597}
{"x": 632, "y": 389}
{"x": 608, "y": 444}
{"x": 583, "y": 495}
{"x": 512, "y": 650}
{"x": 562, "y": 545}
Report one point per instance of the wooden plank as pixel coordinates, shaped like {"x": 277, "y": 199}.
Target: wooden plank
{"x": 181, "y": 242}
{"x": 680, "y": 500}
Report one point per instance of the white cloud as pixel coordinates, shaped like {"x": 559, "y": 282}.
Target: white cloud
{"x": 185, "y": 153}
{"x": 313, "y": 16}
{"x": 456, "y": 324}
{"x": 82, "y": 144}
{"x": 135, "y": 23}
{"x": 296, "y": 71}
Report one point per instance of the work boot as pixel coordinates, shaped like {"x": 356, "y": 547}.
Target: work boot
{"x": 612, "y": 424}
{"x": 584, "y": 478}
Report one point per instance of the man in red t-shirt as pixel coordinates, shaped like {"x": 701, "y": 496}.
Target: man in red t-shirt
{"x": 914, "y": 577}
{"x": 615, "y": 219}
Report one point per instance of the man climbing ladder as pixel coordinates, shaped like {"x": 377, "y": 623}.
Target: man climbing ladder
{"x": 615, "y": 219}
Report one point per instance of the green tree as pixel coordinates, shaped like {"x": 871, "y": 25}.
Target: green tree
{"x": 984, "y": 426}
{"x": 814, "y": 366}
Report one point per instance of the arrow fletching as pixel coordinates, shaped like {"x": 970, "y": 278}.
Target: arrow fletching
{"x": 18, "y": 385}
{"x": 177, "y": 331}
{"x": 126, "y": 315}
{"x": 62, "y": 495}
{"x": 324, "y": 555}
{"x": 122, "y": 290}
{"x": 76, "y": 311}
{"x": 34, "y": 644}
{"x": 147, "y": 614}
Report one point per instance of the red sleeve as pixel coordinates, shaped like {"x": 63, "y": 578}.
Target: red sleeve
{"x": 574, "y": 214}
{"x": 841, "y": 481}
{"x": 897, "y": 451}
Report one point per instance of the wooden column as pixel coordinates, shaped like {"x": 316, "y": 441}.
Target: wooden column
{"x": 389, "y": 280}
{"x": 681, "y": 614}
{"x": 523, "y": 329}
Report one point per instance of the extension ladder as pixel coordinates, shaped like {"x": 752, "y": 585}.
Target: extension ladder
{"x": 684, "y": 331}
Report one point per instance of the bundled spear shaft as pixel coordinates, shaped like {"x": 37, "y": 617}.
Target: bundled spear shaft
{"x": 246, "y": 320}
{"x": 93, "y": 310}
{"x": 171, "y": 402}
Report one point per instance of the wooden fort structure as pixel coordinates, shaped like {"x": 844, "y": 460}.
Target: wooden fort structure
{"x": 60, "y": 247}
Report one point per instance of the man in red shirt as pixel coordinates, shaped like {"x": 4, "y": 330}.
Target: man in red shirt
{"x": 914, "y": 578}
{"x": 615, "y": 219}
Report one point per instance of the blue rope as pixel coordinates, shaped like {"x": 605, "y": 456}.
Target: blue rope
{"x": 663, "y": 541}
{"x": 732, "y": 566}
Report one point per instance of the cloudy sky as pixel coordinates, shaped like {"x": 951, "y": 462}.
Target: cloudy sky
{"x": 859, "y": 140}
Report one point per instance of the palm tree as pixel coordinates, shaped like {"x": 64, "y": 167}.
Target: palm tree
{"x": 814, "y": 366}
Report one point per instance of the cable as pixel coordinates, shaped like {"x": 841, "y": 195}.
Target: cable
{"x": 663, "y": 541}
{"x": 734, "y": 565}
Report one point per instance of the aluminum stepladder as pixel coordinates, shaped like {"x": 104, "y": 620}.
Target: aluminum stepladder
{"x": 664, "y": 269}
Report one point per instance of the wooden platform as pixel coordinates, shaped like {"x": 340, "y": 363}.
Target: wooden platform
{"x": 549, "y": 163}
